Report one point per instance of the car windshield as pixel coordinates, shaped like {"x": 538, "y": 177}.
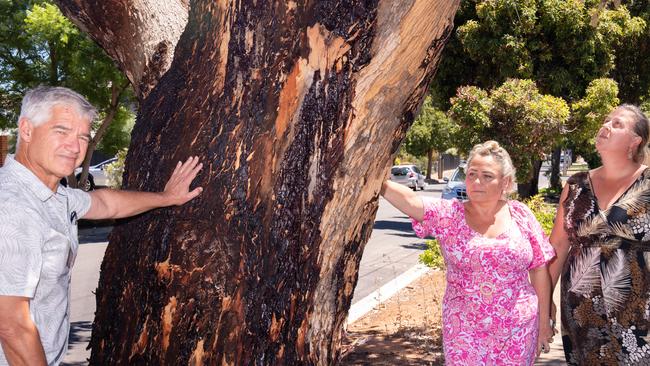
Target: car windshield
{"x": 459, "y": 175}
{"x": 399, "y": 171}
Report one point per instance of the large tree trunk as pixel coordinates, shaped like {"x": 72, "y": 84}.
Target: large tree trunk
{"x": 296, "y": 111}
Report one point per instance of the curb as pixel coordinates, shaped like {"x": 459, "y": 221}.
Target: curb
{"x": 365, "y": 305}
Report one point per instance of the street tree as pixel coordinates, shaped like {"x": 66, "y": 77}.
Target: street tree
{"x": 296, "y": 110}
{"x": 524, "y": 121}
{"x": 431, "y": 132}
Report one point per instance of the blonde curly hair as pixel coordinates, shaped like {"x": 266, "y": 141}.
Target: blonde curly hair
{"x": 501, "y": 156}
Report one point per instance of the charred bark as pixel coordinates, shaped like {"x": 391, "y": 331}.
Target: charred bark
{"x": 296, "y": 110}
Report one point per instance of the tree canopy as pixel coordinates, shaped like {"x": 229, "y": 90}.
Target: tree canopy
{"x": 432, "y": 130}
{"x": 566, "y": 47}
{"x": 562, "y": 45}
{"x": 524, "y": 121}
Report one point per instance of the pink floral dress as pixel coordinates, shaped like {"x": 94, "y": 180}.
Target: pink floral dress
{"x": 489, "y": 311}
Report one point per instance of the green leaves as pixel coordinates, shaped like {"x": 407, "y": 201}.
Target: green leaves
{"x": 45, "y": 23}
{"x": 550, "y": 41}
{"x": 431, "y": 131}
{"x": 516, "y": 115}
{"x": 588, "y": 113}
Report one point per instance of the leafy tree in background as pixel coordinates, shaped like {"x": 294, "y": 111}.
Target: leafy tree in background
{"x": 561, "y": 44}
{"x": 632, "y": 71}
{"x": 40, "y": 46}
{"x": 550, "y": 41}
{"x": 16, "y": 58}
{"x": 516, "y": 115}
{"x": 118, "y": 134}
{"x": 431, "y": 131}
{"x": 587, "y": 115}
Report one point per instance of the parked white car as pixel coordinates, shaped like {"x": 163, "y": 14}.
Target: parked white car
{"x": 96, "y": 175}
{"x": 409, "y": 175}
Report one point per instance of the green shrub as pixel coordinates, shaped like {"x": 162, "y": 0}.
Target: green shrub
{"x": 544, "y": 212}
{"x": 115, "y": 170}
{"x": 432, "y": 256}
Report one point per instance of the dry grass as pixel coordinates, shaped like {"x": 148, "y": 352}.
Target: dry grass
{"x": 406, "y": 330}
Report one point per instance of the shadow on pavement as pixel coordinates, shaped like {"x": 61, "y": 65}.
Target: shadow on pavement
{"x": 419, "y": 246}
{"x": 74, "y": 363}
{"x": 80, "y": 332}
{"x": 94, "y": 234}
{"x": 393, "y": 225}
{"x": 410, "y": 346}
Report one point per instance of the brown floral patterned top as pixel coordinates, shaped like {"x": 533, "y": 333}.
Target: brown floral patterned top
{"x": 606, "y": 278}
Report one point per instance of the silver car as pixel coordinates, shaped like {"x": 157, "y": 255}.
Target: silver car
{"x": 409, "y": 175}
{"x": 455, "y": 187}
{"x": 96, "y": 175}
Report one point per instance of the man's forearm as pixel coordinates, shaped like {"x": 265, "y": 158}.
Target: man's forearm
{"x": 23, "y": 347}
{"x": 115, "y": 204}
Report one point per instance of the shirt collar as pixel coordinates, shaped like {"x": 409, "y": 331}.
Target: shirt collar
{"x": 29, "y": 179}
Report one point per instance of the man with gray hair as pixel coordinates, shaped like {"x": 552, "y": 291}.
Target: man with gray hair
{"x": 38, "y": 221}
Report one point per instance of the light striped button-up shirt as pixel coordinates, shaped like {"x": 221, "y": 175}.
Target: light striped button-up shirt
{"x": 38, "y": 246}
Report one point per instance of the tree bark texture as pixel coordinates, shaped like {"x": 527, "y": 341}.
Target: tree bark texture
{"x": 139, "y": 35}
{"x": 296, "y": 110}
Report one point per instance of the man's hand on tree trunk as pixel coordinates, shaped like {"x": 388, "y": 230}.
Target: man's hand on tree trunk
{"x": 177, "y": 190}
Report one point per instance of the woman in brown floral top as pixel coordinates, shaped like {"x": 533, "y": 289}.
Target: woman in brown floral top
{"x": 602, "y": 240}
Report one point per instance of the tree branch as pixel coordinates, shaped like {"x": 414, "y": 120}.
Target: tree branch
{"x": 139, "y": 35}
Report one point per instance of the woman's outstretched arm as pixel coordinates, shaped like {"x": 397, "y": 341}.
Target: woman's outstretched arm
{"x": 404, "y": 199}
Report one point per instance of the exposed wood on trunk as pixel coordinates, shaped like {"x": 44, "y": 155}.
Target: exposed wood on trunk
{"x": 140, "y": 35}
{"x": 296, "y": 110}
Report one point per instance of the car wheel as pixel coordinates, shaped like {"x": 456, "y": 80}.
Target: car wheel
{"x": 415, "y": 187}
{"x": 90, "y": 183}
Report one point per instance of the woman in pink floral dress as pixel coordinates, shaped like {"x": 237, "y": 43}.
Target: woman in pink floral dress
{"x": 492, "y": 313}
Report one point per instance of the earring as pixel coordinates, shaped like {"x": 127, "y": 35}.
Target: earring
{"x": 629, "y": 154}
